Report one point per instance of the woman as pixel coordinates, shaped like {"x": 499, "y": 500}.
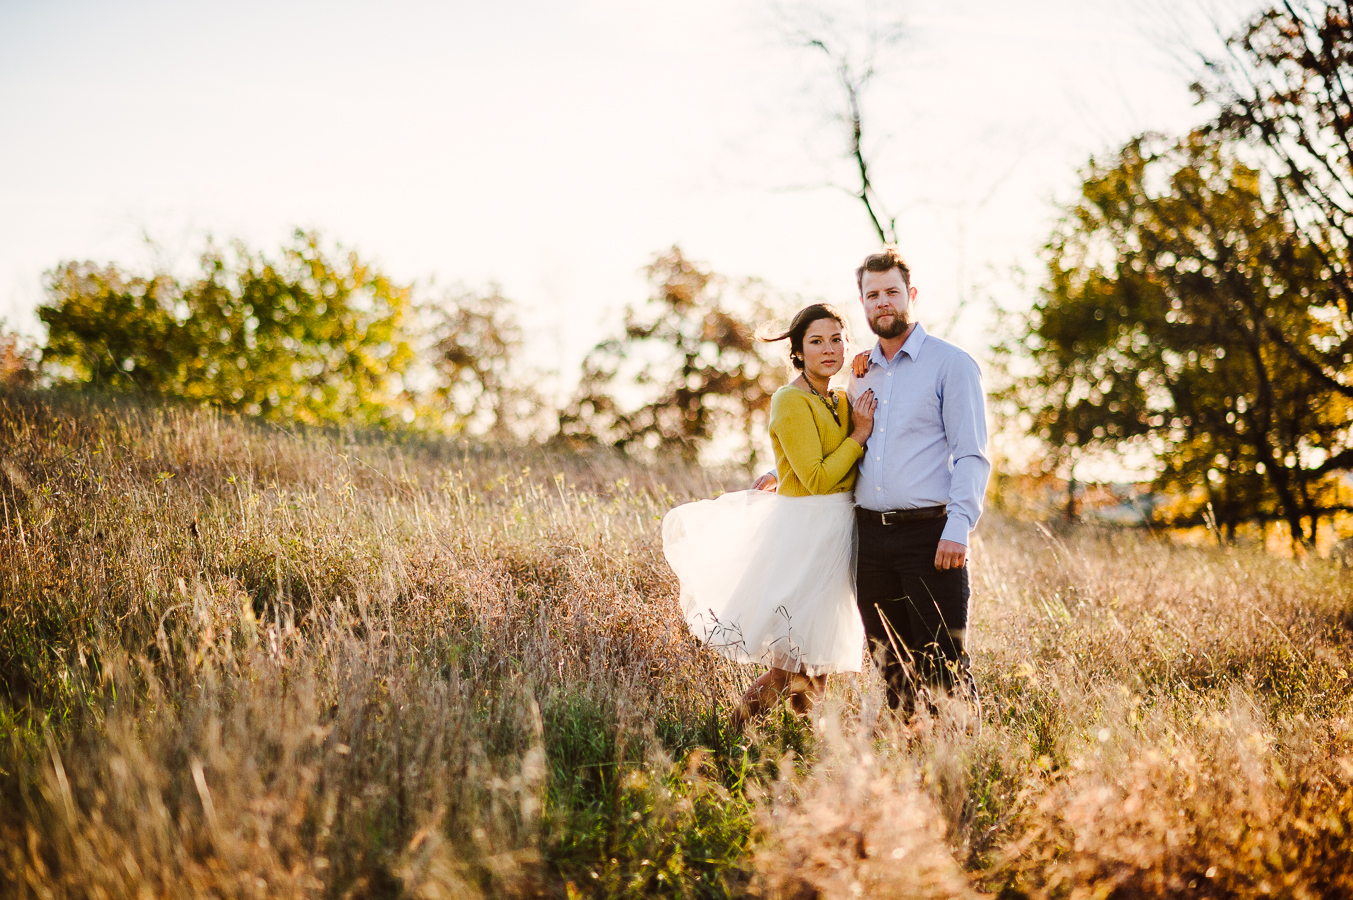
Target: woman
{"x": 768, "y": 578}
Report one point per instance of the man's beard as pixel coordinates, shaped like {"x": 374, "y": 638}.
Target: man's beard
{"x": 895, "y": 328}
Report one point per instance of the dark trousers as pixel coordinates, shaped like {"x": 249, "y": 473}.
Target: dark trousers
{"x": 915, "y": 616}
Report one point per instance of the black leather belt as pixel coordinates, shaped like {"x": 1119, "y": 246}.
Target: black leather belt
{"x": 898, "y": 516}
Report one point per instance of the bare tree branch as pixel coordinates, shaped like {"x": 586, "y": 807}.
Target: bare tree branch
{"x": 853, "y": 70}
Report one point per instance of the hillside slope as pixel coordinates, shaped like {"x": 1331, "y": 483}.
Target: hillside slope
{"x": 240, "y": 661}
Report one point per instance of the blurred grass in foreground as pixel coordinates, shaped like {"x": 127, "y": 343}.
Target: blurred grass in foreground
{"x": 242, "y": 662}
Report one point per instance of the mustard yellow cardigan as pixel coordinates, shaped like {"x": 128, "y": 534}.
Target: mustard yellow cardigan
{"x": 813, "y": 454}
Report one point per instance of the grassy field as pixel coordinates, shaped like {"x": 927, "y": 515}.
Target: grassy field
{"x": 241, "y": 662}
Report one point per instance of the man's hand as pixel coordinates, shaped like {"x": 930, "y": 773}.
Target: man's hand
{"x": 950, "y": 555}
{"x": 767, "y": 482}
{"x": 860, "y": 364}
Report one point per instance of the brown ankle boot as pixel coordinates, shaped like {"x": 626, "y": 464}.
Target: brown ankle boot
{"x": 761, "y": 696}
{"x": 805, "y": 691}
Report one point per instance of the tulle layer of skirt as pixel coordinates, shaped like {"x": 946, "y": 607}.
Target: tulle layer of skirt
{"x": 770, "y": 579}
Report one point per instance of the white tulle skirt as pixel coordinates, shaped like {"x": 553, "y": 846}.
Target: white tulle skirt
{"x": 770, "y": 579}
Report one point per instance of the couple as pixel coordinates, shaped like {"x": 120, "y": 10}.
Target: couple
{"x": 797, "y": 579}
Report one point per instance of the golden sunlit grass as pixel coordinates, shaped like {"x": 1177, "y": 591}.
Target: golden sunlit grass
{"x": 242, "y": 662}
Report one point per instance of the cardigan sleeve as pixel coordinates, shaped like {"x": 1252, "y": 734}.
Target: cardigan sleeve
{"x": 792, "y": 422}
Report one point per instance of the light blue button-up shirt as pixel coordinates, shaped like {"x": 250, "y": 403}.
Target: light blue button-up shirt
{"x": 928, "y": 446}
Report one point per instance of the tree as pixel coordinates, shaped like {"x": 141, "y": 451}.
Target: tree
{"x": 111, "y": 329}
{"x": 851, "y": 48}
{"x": 309, "y": 337}
{"x": 18, "y": 360}
{"x": 475, "y": 341}
{"x": 686, "y": 365}
{"x": 857, "y": 40}
{"x": 1167, "y": 282}
{"x": 1284, "y": 93}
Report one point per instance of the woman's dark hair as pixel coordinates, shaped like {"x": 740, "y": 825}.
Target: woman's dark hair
{"x": 799, "y": 327}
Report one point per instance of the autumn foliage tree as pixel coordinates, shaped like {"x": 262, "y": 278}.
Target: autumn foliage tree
{"x": 686, "y": 367}
{"x": 18, "y": 360}
{"x": 475, "y": 344}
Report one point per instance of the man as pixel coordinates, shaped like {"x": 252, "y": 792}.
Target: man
{"x": 920, "y": 489}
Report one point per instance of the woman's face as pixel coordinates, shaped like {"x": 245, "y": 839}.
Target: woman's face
{"x": 824, "y": 348}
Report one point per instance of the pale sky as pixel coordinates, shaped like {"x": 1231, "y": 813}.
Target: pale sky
{"x": 554, "y": 147}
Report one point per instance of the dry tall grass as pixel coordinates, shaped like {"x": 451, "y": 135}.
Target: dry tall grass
{"x": 240, "y": 662}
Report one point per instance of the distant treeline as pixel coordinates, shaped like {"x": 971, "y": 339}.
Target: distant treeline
{"x": 317, "y": 335}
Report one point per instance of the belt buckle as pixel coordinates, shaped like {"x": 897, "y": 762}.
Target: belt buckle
{"x": 883, "y": 517}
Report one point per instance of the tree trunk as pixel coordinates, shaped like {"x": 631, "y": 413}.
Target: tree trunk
{"x": 1071, "y": 516}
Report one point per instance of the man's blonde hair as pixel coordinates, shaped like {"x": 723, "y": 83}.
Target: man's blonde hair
{"x": 887, "y": 258}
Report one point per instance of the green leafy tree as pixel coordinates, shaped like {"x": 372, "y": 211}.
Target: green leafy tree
{"x": 686, "y": 365}
{"x": 1166, "y": 283}
{"x": 309, "y": 336}
{"x": 112, "y": 329}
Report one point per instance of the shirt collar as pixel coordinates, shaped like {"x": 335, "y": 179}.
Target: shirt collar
{"x": 911, "y": 347}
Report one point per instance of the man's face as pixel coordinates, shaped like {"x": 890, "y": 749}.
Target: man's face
{"x": 889, "y": 303}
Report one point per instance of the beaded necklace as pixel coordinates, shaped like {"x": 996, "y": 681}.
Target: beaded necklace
{"x": 830, "y": 404}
